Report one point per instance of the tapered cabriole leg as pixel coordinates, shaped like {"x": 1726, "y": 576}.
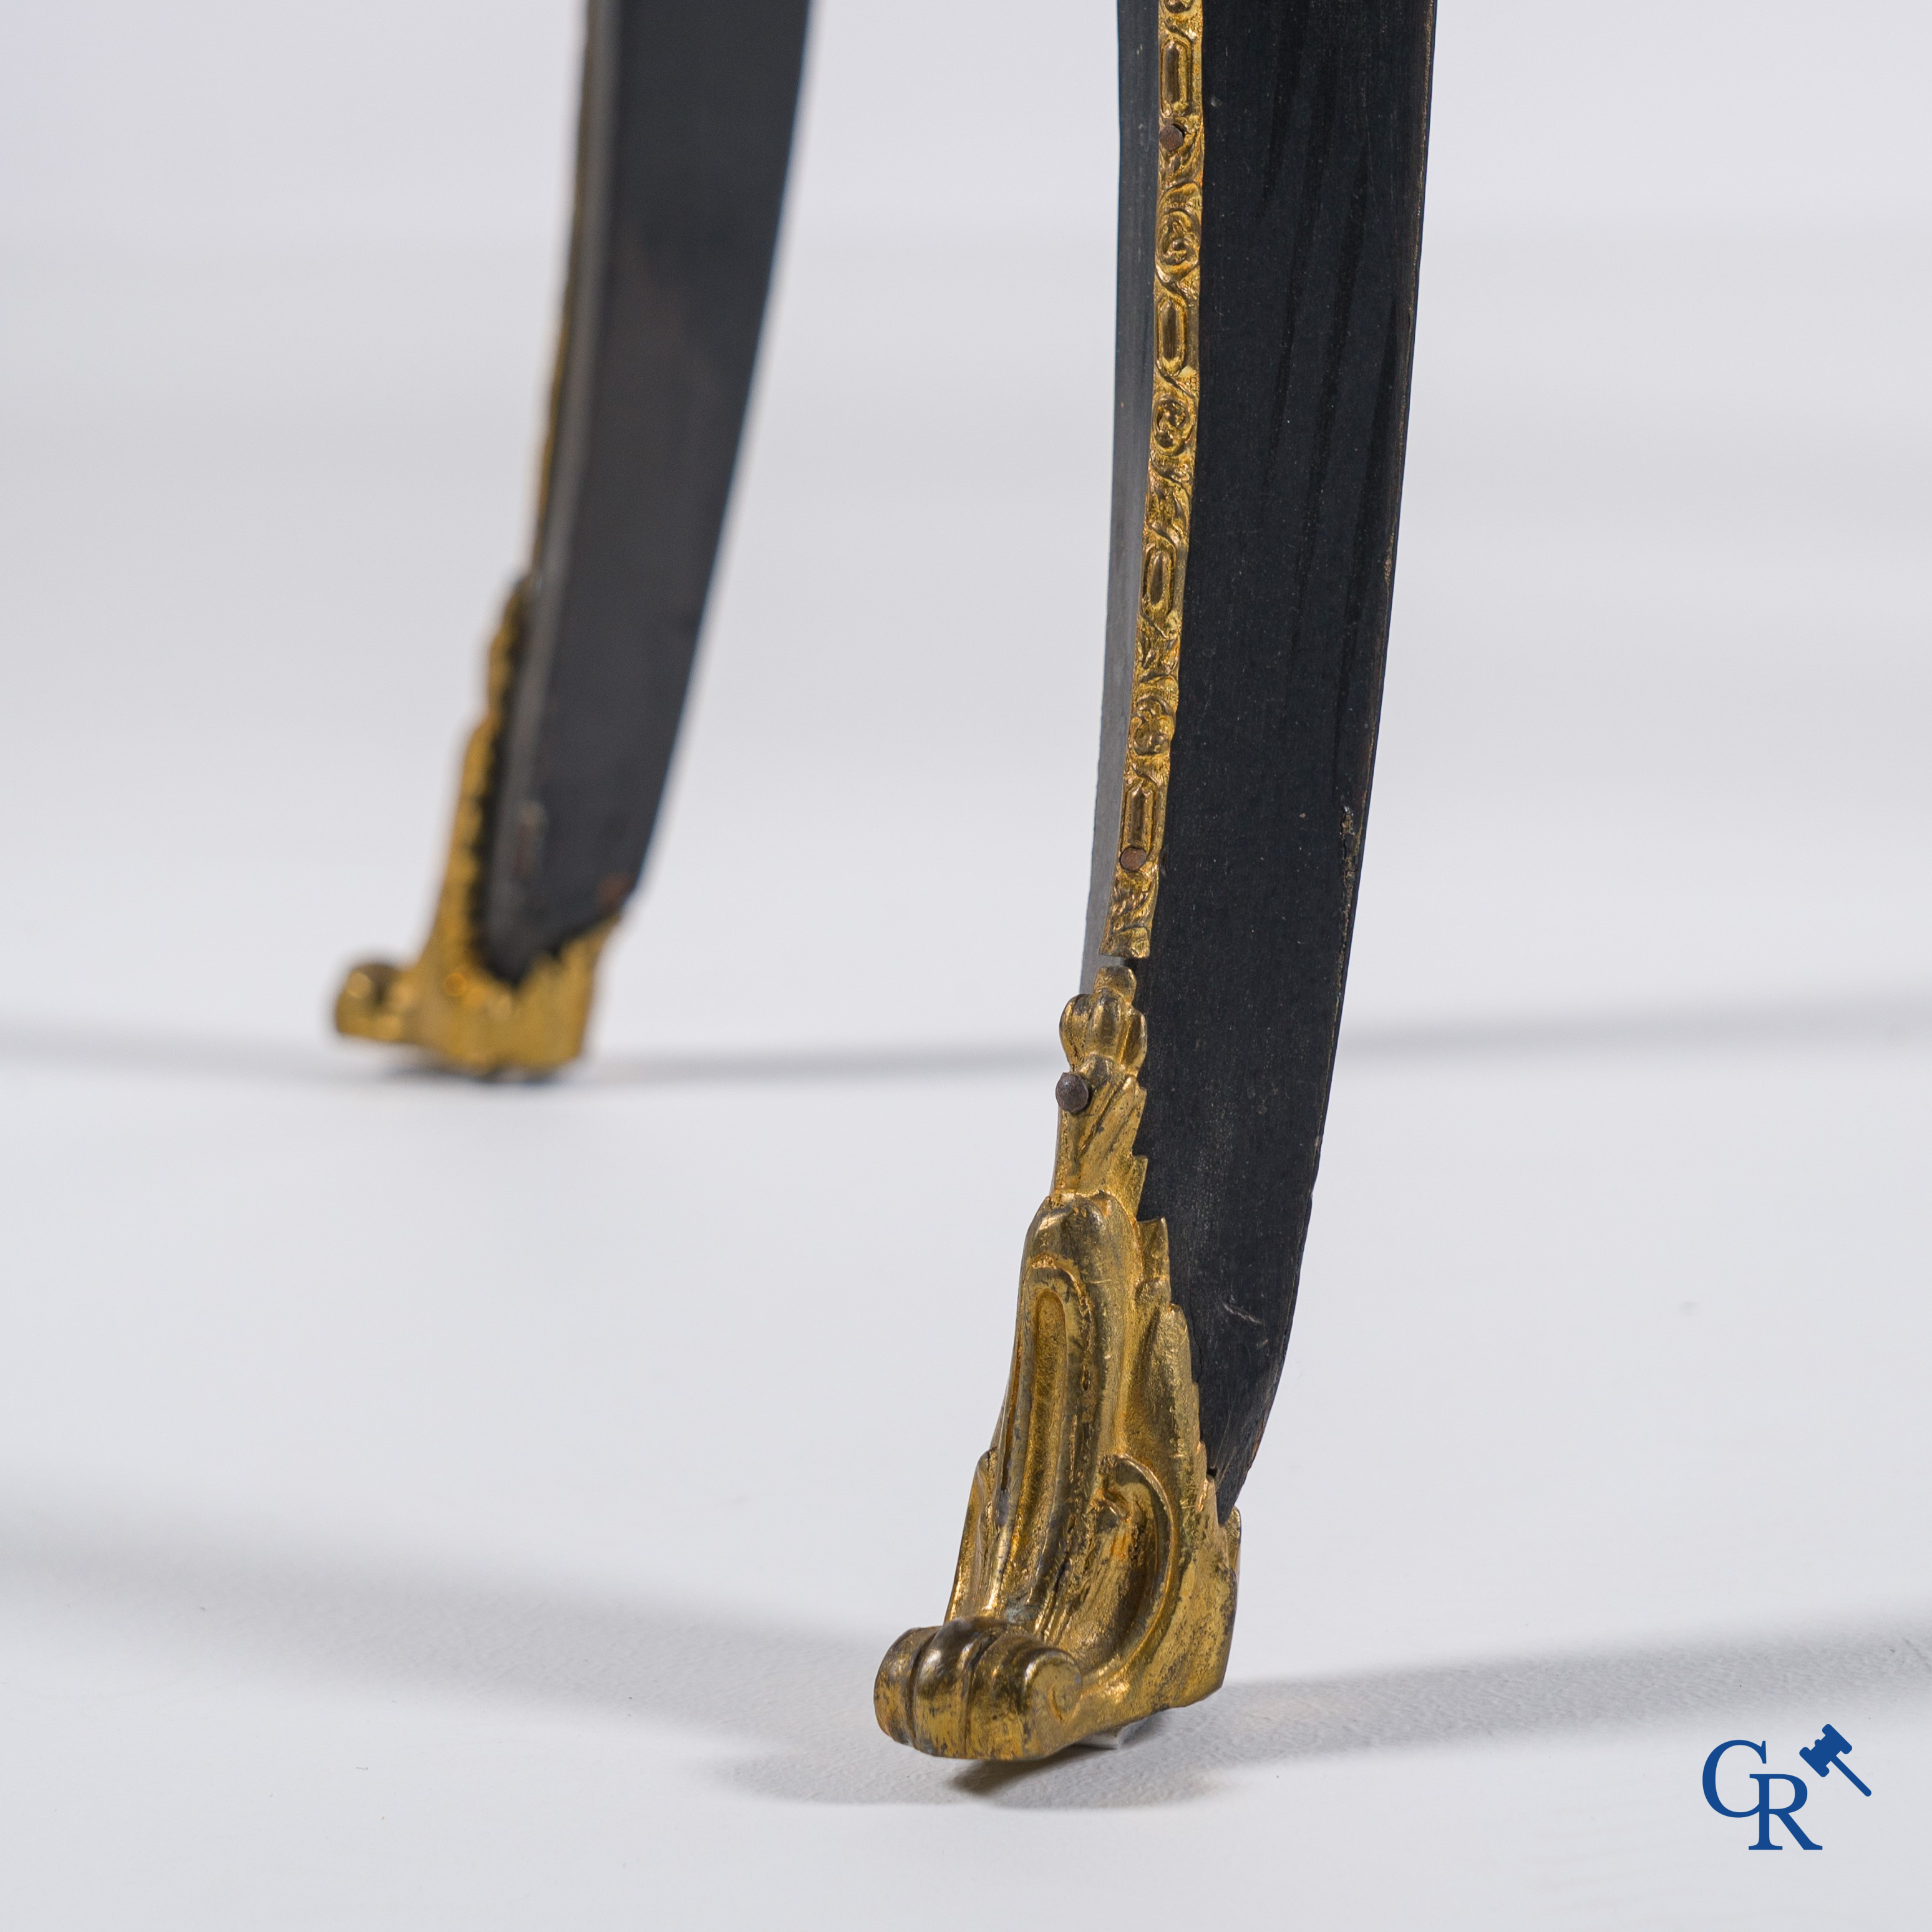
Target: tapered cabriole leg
{"x": 1272, "y": 156}
{"x": 684, "y": 136}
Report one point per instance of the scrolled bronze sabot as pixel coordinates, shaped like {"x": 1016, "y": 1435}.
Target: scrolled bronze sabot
{"x": 1271, "y": 179}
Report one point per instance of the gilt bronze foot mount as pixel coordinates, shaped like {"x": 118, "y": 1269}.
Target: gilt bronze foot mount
{"x": 448, "y": 1003}
{"x": 1095, "y": 1583}
{"x": 1271, "y": 212}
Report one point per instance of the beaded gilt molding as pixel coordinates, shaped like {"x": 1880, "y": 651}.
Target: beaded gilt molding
{"x": 1095, "y": 1583}
{"x": 1164, "y": 530}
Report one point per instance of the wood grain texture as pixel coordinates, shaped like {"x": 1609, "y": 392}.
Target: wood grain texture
{"x": 685, "y": 136}
{"x": 1317, "y": 123}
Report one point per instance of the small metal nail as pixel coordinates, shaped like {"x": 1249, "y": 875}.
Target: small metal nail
{"x": 1133, "y": 859}
{"x": 1073, "y": 1093}
{"x": 1170, "y": 136}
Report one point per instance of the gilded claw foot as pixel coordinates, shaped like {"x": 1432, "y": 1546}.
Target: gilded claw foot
{"x": 1096, "y": 1582}
{"x": 449, "y": 1003}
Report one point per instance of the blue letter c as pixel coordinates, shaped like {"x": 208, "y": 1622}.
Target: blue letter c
{"x": 1711, "y": 1776}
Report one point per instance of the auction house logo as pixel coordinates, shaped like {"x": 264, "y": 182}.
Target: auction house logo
{"x": 1826, "y": 1756}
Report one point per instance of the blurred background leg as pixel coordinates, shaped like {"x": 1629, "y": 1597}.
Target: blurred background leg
{"x": 684, "y": 133}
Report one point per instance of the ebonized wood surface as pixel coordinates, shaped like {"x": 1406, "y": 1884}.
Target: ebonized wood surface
{"x": 684, "y": 140}
{"x": 1316, "y": 118}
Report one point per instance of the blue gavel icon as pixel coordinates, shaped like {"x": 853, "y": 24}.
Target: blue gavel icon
{"x": 1828, "y": 1754}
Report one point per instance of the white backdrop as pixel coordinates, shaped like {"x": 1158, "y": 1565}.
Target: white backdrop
{"x": 433, "y": 122}
{"x": 379, "y": 1542}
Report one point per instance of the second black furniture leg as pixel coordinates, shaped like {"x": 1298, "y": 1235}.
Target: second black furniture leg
{"x": 684, "y": 139}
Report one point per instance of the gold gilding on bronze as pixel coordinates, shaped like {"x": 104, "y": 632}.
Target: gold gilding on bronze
{"x": 1096, "y": 1582}
{"x": 1176, "y": 397}
{"x": 449, "y": 1003}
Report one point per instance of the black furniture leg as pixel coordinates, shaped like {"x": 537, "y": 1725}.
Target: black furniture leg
{"x": 684, "y": 138}
{"x": 1271, "y": 167}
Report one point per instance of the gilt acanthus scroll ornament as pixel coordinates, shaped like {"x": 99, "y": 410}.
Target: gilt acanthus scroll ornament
{"x": 1170, "y": 493}
{"x": 449, "y": 1003}
{"x": 1096, "y": 1582}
